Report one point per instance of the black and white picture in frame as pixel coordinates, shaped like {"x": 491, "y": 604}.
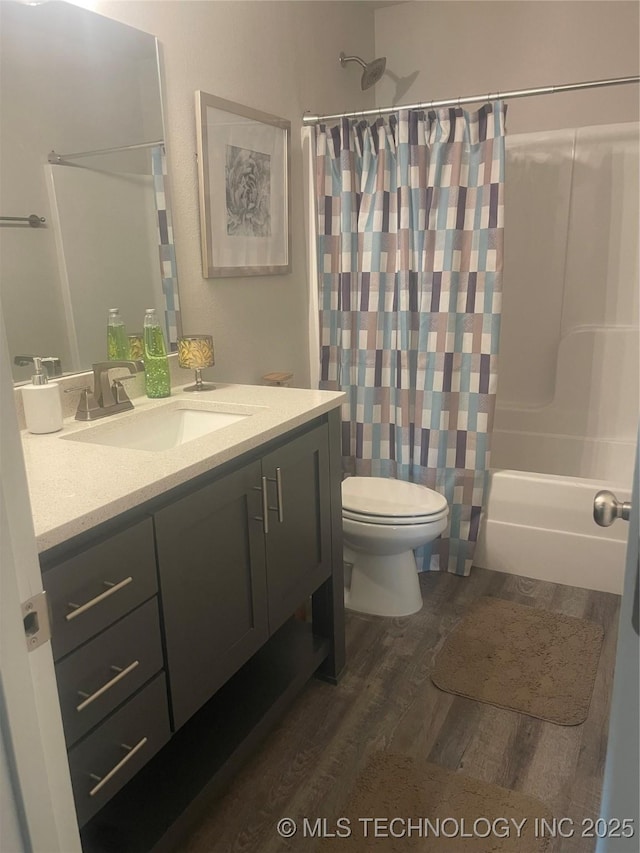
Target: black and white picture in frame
{"x": 243, "y": 170}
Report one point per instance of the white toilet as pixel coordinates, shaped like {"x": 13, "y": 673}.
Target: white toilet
{"x": 383, "y": 521}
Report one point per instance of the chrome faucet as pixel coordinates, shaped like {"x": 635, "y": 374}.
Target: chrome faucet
{"x": 107, "y": 398}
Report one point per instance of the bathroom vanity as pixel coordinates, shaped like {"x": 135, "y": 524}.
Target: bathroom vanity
{"x": 175, "y": 581}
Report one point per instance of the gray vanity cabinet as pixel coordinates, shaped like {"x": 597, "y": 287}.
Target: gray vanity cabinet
{"x": 176, "y": 638}
{"x": 211, "y": 565}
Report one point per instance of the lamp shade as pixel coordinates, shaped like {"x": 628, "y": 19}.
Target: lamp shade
{"x": 195, "y": 351}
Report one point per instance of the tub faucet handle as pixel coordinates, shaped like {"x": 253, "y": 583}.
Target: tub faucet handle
{"x": 607, "y": 507}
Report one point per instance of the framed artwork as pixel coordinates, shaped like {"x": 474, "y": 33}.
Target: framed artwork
{"x": 244, "y": 176}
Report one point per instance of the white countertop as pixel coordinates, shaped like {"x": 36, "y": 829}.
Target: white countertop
{"x": 76, "y": 485}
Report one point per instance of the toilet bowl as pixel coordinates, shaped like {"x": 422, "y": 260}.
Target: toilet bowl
{"x": 383, "y": 520}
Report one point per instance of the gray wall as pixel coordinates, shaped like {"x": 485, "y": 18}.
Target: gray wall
{"x": 473, "y": 46}
{"x": 278, "y": 57}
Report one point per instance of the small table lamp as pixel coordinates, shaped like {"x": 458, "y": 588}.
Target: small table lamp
{"x": 195, "y": 352}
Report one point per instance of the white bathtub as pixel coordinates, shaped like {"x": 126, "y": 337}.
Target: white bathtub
{"x": 541, "y": 526}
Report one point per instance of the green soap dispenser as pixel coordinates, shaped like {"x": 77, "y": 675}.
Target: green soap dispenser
{"x": 156, "y": 363}
{"x": 117, "y": 341}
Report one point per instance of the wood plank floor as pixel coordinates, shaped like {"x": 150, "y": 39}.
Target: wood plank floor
{"x": 386, "y": 700}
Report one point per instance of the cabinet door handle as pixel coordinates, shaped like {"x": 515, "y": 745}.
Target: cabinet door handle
{"x": 264, "y": 518}
{"x": 279, "y": 508}
{"x": 279, "y": 495}
{"x": 102, "y": 780}
{"x": 111, "y": 683}
{"x": 82, "y": 608}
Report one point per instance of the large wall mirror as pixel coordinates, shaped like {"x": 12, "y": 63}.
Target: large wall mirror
{"x": 82, "y": 147}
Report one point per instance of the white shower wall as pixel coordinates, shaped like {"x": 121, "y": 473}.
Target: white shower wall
{"x": 567, "y": 398}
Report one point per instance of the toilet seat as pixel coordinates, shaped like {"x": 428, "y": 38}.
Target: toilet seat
{"x": 369, "y": 518}
{"x": 379, "y": 500}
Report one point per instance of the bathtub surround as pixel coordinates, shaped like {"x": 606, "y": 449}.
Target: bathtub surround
{"x": 410, "y": 224}
{"x": 559, "y": 407}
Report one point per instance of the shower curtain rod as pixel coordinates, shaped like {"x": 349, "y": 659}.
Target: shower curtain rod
{"x": 472, "y": 99}
{"x": 53, "y": 157}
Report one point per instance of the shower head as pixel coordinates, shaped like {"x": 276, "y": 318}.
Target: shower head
{"x": 373, "y": 70}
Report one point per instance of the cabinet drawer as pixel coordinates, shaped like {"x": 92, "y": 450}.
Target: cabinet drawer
{"x": 111, "y": 755}
{"x": 100, "y": 675}
{"x": 90, "y": 590}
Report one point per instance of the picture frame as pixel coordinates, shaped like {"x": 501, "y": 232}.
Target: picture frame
{"x": 244, "y": 186}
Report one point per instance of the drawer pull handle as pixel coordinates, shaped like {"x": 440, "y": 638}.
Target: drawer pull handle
{"x": 264, "y": 518}
{"x": 102, "y": 780}
{"x": 111, "y": 683}
{"x": 82, "y": 608}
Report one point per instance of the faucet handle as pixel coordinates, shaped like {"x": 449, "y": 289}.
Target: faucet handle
{"x": 118, "y": 390}
{"x": 87, "y": 405}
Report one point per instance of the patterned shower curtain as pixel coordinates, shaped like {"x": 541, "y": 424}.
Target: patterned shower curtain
{"x": 410, "y": 247}
{"x": 166, "y": 246}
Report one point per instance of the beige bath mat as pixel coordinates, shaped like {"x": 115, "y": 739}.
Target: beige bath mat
{"x": 522, "y": 658}
{"x": 436, "y": 811}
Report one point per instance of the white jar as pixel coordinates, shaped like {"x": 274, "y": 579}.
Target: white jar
{"x": 42, "y": 403}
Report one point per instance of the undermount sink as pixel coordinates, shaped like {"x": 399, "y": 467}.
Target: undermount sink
{"x": 161, "y": 429}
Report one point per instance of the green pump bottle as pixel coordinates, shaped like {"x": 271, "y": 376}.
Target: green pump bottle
{"x": 117, "y": 342}
{"x": 156, "y": 363}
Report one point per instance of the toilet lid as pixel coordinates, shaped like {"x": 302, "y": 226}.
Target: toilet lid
{"x": 380, "y": 496}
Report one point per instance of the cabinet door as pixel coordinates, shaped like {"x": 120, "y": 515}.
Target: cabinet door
{"x": 299, "y": 537}
{"x": 212, "y": 583}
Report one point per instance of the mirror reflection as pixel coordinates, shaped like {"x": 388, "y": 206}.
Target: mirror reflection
{"x": 81, "y": 146}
